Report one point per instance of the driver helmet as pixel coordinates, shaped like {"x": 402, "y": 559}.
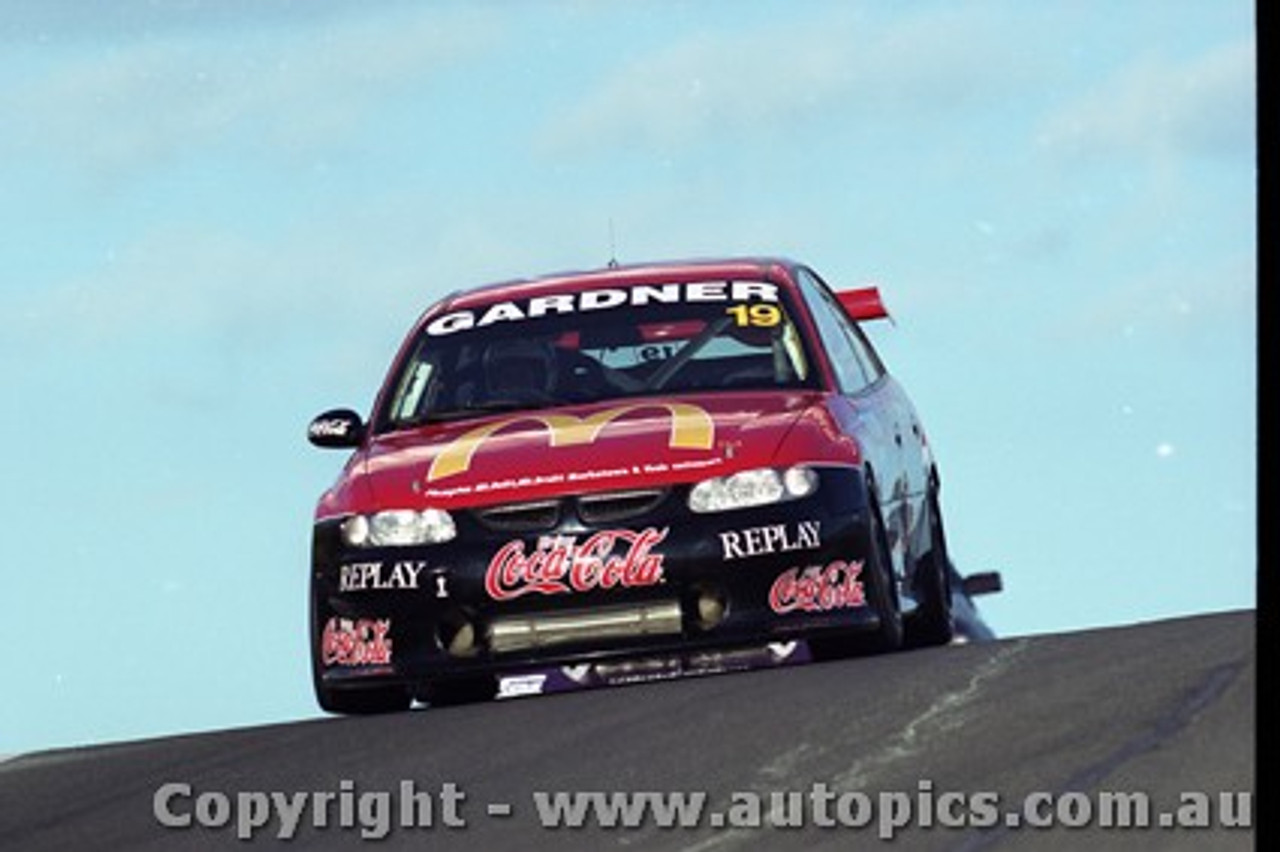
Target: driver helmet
{"x": 520, "y": 364}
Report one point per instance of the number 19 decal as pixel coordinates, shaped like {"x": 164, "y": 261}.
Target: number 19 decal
{"x": 757, "y": 316}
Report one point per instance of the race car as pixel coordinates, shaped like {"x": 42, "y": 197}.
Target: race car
{"x": 676, "y": 461}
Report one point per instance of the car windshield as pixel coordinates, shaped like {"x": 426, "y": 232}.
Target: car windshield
{"x": 599, "y": 345}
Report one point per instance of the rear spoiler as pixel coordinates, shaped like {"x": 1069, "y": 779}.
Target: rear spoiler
{"x": 863, "y": 303}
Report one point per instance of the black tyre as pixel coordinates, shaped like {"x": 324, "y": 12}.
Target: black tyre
{"x": 878, "y": 585}
{"x": 881, "y": 591}
{"x": 933, "y": 623}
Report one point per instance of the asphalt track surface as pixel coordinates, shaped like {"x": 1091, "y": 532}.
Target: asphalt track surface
{"x": 1163, "y": 708}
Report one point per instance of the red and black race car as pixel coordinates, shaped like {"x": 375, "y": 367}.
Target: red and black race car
{"x": 625, "y": 473}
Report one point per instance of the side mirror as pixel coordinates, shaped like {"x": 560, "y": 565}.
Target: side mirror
{"x": 338, "y": 428}
{"x": 982, "y": 583}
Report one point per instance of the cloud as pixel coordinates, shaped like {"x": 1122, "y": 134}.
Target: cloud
{"x": 143, "y": 97}
{"x": 753, "y": 81}
{"x": 60, "y": 20}
{"x": 1154, "y": 107}
{"x": 1174, "y": 300}
{"x": 683, "y": 91}
{"x": 216, "y": 287}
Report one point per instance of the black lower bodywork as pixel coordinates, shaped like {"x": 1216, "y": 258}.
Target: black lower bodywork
{"x": 439, "y": 622}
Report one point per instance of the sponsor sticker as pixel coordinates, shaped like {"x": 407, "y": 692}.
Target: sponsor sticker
{"x": 774, "y": 538}
{"x": 779, "y": 651}
{"x": 602, "y": 299}
{"x": 818, "y": 588}
{"x": 523, "y": 483}
{"x": 356, "y": 642}
{"x": 560, "y": 565}
{"x": 694, "y": 664}
{"x": 334, "y": 427}
{"x": 516, "y": 686}
{"x": 376, "y": 576}
{"x": 691, "y": 429}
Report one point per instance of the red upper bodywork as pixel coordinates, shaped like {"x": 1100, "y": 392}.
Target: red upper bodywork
{"x": 616, "y": 444}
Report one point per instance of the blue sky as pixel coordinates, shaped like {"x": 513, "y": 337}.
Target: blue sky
{"x": 219, "y": 218}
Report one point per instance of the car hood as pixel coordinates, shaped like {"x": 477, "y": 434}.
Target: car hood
{"x": 614, "y": 445}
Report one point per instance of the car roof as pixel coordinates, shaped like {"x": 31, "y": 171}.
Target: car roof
{"x": 630, "y": 275}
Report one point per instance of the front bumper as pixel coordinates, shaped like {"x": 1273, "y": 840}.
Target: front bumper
{"x": 586, "y": 579}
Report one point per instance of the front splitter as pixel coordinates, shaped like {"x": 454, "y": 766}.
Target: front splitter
{"x": 553, "y": 679}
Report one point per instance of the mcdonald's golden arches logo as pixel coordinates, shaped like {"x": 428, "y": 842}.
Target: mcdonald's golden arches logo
{"x": 691, "y": 429}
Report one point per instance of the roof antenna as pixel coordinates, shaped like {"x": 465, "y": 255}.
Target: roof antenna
{"x": 613, "y": 248}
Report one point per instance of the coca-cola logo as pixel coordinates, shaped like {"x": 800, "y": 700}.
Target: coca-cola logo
{"x": 356, "y": 642}
{"x": 334, "y": 427}
{"x": 560, "y": 565}
{"x": 818, "y": 588}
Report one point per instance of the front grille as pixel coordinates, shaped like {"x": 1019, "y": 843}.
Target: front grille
{"x": 614, "y": 506}
{"x": 521, "y": 517}
{"x": 593, "y": 509}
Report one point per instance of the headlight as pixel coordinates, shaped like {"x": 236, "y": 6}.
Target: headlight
{"x": 758, "y": 487}
{"x": 399, "y": 527}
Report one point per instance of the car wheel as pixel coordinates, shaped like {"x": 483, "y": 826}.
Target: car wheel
{"x": 933, "y": 623}
{"x": 878, "y": 586}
